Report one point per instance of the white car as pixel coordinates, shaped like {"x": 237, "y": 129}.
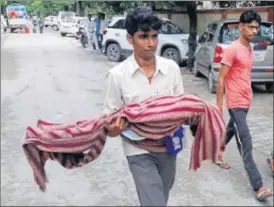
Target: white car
{"x": 2, "y": 29}
{"x": 49, "y": 20}
{"x": 4, "y": 25}
{"x": 70, "y": 25}
{"x": 173, "y": 42}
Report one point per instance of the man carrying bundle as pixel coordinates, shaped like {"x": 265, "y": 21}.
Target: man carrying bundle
{"x": 147, "y": 106}
{"x": 139, "y": 77}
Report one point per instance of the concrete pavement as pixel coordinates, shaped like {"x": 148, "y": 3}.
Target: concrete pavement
{"x": 45, "y": 76}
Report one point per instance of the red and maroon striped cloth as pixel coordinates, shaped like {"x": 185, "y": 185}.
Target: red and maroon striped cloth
{"x": 81, "y": 142}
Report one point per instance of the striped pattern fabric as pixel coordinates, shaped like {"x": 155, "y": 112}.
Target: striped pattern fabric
{"x": 76, "y": 144}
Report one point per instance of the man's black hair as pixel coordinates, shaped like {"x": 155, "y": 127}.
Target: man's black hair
{"x": 249, "y": 16}
{"x": 142, "y": 19}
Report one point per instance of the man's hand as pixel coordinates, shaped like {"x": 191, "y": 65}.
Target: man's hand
{"x": 220, "y": 107}
{"x": 220, "y": 86}
{"x": 115, "y": 129}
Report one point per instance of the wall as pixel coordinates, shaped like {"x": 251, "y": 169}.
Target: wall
{"x": 206, "y": 16}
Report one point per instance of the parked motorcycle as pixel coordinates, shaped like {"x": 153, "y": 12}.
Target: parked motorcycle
{"x": 83, "y": 37}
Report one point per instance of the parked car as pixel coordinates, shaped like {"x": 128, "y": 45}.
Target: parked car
{"x": 70, "y": 25}
{"x": 2, "y": 29}
{"x": 173, "y": 41}
{"x": 217, "y": 36}
{"x": 48, "y": 21}
{"x": 4, "y": 25}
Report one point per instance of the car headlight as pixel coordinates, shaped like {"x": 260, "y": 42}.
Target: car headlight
{"x": 184, "y": 41}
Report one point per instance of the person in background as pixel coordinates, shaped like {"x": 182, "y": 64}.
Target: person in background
{"x": 98, "y": 35}
{"x": 41, "y": 24}
{"x": 104, "y": 24}
{"x": 34, "y": 23}
{"x": 91, "y": 32}
{"x": 235, "y": 78}
{"x": 140, "y": 76}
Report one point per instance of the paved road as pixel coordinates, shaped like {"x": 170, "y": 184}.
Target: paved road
{"x": 53, "y": 78}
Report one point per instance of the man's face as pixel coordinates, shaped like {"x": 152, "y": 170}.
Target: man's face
{"x": 249, "y": 30}
{"x": 144, "y": 43}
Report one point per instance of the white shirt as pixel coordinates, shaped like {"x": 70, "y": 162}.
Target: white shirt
{"x": 127, "y": 83}
{"x": 91, "y": 26}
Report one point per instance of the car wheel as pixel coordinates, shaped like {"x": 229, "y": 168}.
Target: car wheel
{"x": 172, "y": 53}
{"x": 211, "y": 82}
{"x": 269, "y": 87}
{"x": 195, "y": 71}
{"x": 54, "y": 28}
{"x": 63, "y": 34}
{"x": 114, "y": 52}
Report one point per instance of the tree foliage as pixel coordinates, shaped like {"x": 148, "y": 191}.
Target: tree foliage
{"x": 48, "y": 7}
{"x": 4, "y": 3}
{"x": 235, "y": 4}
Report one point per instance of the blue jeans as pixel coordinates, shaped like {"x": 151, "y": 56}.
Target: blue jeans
{"x": 99, "y": 38}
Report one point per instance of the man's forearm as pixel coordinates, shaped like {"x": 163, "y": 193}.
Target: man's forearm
{"x": 220, "y": 92}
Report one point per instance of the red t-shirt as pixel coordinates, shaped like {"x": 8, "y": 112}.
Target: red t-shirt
{"x": 238, "y": 81}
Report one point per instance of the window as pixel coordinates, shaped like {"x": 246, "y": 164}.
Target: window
{"x": 120, "y": 24}
{"x": 70, "y": 20}
{"x": 213, "y": 28}
{"x": 205, "y": 35}
{"x": 211, "y": 32}
{"x": 83, "y": 21}
{"x": 230, "y": 32}
{"x": 170, "y": 28}
{"x": 266, "y": 30}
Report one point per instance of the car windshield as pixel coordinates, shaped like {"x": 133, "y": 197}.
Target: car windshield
{"x": 70, "y": 19}
{"x": 83, "y": 21}
{"x": 170, "y": 28}
{"x": 230, "y": 32}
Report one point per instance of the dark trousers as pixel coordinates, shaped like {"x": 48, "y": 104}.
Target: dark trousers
{"x": 41, "y": 29}
{"x": 237, "y": 126}
{"x": 154, "y": 175}
{"x": 99, "y": 38}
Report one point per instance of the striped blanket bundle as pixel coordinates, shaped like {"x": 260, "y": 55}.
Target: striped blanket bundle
{"x": 76, "y": 144}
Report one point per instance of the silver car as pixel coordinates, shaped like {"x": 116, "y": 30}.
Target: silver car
{"x": 217, "y": 36}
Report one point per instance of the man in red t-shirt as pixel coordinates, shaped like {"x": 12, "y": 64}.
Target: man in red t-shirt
{"x": 235, "y": 77}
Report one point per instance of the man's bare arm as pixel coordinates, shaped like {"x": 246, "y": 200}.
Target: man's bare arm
{"x": 220, "y": 85}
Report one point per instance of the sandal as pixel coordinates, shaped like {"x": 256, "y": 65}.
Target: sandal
{"x": 270, "y": 164}
{"x": 223, "y": 164}
{"x": 263, "y": 194}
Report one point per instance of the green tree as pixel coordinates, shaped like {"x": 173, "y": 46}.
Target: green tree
{"x": 4, "y": 3}
{"x": 235, "y": 4}
{"x": 49, "y": 7}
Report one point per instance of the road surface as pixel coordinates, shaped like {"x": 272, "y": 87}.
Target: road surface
{"x": 49, "y": 77}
